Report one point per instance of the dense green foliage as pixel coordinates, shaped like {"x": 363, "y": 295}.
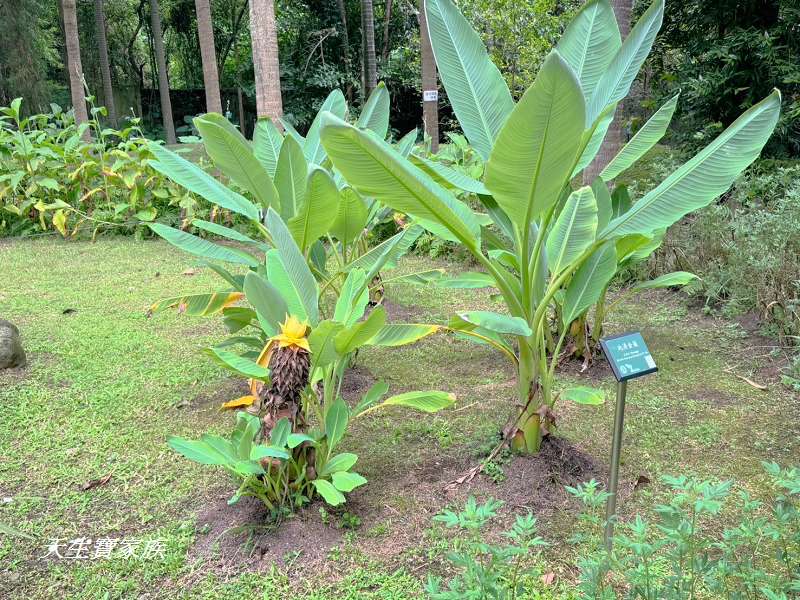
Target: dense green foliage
{"x": 308, "y": 299}
{"x": 53, "y": 177}
{"x": 744, "y": 248}
{"x": 682, "y": 555}
{"x": 556, "y": 248}
{"x": 724, "y": 56}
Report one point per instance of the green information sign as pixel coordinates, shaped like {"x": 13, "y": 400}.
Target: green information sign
{"x": 628, "y": 356}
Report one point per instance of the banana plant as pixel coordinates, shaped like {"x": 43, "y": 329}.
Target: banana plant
{"x": 285, "y": 447}
{"x": 559, "y": 246}
{"x": 328, "y": 219}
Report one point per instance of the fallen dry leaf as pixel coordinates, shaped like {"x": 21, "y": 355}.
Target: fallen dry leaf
{"x": 240, "y": 402}
{"x": 548, "y": 578}
{"x": 96, "y": 483}
{"x": 758, "y": 386}
{"x": 190, "y": 272}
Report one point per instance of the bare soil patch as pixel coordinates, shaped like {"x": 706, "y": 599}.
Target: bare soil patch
{"x": 400, "y": 313}
{"x": 242, "y": 537}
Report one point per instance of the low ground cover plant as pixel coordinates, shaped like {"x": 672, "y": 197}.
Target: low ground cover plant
{"x": 559, "y": 246}
{"x": 683, "y": 554}
{"x": 80, "y": 180}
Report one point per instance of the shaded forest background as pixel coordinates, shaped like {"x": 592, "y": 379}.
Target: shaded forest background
{"x": 722, "y": 55}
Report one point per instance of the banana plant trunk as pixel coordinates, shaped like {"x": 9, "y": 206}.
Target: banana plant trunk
{"x": 534, "y": 419}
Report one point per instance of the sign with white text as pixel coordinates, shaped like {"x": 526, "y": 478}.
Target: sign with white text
{"x": 628, "y": 356}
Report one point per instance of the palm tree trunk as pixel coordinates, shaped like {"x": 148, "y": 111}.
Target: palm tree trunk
{"x": 387, "y": 19}
{"x": 74, "y": 62}
{"x": 205, "y": 31}
{"x": 105, "y": 68}
{"x": 430, "y": 106}
{"x": 266, "y": 63}
{"x": 370, "y": 62}
{"x": 614, "y": 138}
{"x": 163, "y": 79}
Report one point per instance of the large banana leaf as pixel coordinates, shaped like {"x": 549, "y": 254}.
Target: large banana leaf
{"x": 267, "y": 141}
{"x": 496, "y": 322}
{"x": 290, "y": 178}
{"x": 387, "y": 253}
{"x": 376, "y": 170}
{"x": 400, "y": 334}
{"x": 232, "y": 153}
{"x": 476, "y": 89}
{"x": 278, "y": 276}
{"x": 590, "y": 42}
{"x": 588, "y": 283}
{"x": 318, "y": 210}
{"x": 355, "y": 336}
{"x": 574, "y": 230}
{"x": 674, "y": 279}
{"x": 406, "y": 143}
{"x": 531, "y": 161}
{"x": 266, "y": 299}
{"x": 296, "y": 266}
{"x": 312, "y": 148}
{"x": 647, "y": 137}
{"x": 228, "y": 232}
{"x": 351, "y": 216}
{"x": 375, "y": 114}
{"x": 593, "y": 138}
{"x": 197, "y": 305}
{"x": 194, "y": 179}
{"x": 353, "y": 299}
{"x": 199, "y": 247}
{"x": 701, "y": 179}
{"x": 448, "y": 176}
{"x": 605, "y": 207}
{"x": 616, "y": 80}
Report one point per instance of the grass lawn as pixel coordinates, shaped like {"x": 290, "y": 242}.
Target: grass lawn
{"x": 105, "y": 386}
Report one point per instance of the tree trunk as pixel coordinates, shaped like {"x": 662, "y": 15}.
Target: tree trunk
{"x": 241, "y": 109}
{"x": 370, "y": 62}
{"x": 266, "y": 63}
{"x": 614, "y": 138}
{"x": 163, "y": 79}
{"x": 105, "y": 68}
{"x": 205, "y": 31}
{"x": 74, "y": 60}
{"x": 430, "y": 107}
{"x": 346, "y": 48}
{"x": 387, "y": 19}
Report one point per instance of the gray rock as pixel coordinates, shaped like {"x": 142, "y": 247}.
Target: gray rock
{"x": 11, "y": 352}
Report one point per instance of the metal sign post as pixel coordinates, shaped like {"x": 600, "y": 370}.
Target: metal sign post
{"x": 629, "y": 358}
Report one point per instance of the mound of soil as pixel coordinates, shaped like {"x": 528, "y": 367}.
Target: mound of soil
{"x": 233, "y": 539}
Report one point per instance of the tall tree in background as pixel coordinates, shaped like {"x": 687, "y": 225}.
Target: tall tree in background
{"x": 161, "y": 65}
{"x": 27, "y": 50}
{"x": 368, "y": 36}
{"x": 345, "y": 48}
{"x": 387, "y": 19}
{"x": 430, "y": 108}
{"x": 105, "y": 67}
{"x": 613, "y": 141}
{"x": 73, "y": 45}
{"x": 266, "y": 65}
{"x": 205, "y": 31}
